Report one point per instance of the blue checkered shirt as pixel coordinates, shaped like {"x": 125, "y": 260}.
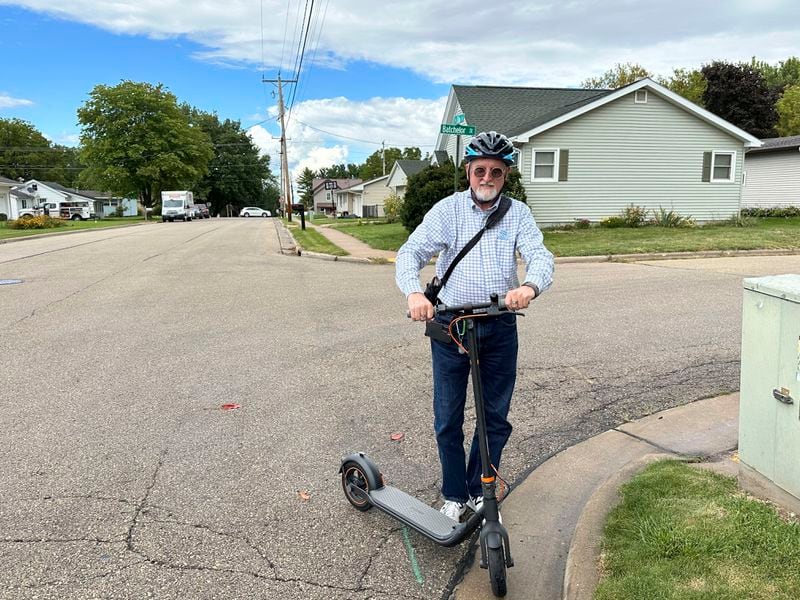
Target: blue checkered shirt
{"x": 490, "y": 266}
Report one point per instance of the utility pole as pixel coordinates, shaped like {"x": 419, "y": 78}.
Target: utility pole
{"x": 383, "y": 156}
{"x": 287, "y": 184}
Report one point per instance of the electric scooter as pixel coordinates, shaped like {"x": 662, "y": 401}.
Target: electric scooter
{"x": 364, "y": 486}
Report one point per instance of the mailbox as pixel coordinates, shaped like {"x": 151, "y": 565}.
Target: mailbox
{"x": 769, "y": 409}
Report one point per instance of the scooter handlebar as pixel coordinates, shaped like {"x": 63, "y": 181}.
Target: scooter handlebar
{"x": 494, "y": 306}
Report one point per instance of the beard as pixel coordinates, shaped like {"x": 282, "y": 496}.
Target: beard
{"x": 486, "y": 193}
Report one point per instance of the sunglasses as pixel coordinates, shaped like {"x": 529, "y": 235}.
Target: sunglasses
{"x": 495, "y": 173}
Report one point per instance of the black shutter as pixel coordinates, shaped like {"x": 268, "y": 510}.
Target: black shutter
{"x": 706, "y": 166}
{"x": 563, "y": 165}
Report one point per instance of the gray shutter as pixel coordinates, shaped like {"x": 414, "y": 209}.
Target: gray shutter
{"x": 706, "y": 166}
{"x": 563, "y": 165}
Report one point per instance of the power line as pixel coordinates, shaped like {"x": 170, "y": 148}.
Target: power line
{"x": 344, "y": 137}
{"x": 302, "y": 55}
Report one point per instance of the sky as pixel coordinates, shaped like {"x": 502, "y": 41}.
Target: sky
{"x": 368, "y": 73}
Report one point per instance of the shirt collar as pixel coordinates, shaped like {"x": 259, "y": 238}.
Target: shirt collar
{"x": 475, "y": 207}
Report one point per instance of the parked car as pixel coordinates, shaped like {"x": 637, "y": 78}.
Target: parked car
{"x": 203, "y": 212}
{"x": 254, "y": 211}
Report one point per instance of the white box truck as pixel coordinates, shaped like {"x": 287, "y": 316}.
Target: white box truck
{"x": 177, "y": 205}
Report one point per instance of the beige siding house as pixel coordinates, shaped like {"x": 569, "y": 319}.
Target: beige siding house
{"x": 5, "y": 196}
{"x": 401, "y": 171}
{"x": 370, "y": 201}
{"x": 772, "y": 174}
{"x": 588, "y": 154}
{"x": 330, "y": 192}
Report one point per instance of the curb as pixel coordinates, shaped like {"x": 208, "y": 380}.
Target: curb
{"x": 581, "y": 574}
{"x": 674, "y": 255}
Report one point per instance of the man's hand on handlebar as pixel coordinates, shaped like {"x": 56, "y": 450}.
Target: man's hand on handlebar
{"x": 519, "y": 298}
{"x": 419, "y": 308}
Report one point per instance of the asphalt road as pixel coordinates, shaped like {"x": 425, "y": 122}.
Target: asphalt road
{"x": 122, "y": 477}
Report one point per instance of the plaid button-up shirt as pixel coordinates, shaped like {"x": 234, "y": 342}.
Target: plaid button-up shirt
{"x": 490, "y": 267}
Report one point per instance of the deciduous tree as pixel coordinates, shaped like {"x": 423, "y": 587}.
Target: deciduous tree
{"x": 739, "y": 94}
{"x": 136, "y": 139}
{"x": 617, "y": 77}
{"x": 789, "y": 112}
{"x": 689, "y": 83}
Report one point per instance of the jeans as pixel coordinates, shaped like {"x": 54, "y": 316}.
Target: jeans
{"x": 497, "y": 352}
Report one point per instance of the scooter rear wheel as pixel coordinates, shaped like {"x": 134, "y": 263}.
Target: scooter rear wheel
{"x": 354, "y": 476}
{"x": 497, "y": 570}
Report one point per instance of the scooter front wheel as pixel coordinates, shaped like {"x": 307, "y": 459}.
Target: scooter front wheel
{"x": 497, "y": 570}
{"x": 353, "y": 476}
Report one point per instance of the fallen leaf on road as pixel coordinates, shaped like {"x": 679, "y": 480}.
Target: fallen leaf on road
{"x": 304, "y": 495}
{"x": 396, "y": 437}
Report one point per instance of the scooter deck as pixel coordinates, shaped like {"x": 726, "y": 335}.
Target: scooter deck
{"x": 411, "y": 511}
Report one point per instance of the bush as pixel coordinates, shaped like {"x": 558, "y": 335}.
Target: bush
{"x": 3, "y": 217}
{"x": 425, "y": 189}
{"x": 391, "y": 207}
{"x": 634, "y": 216}
{"x": 669, "y": 218}
{"x": 40, "y": 222}
{"x": 613, "y": 222}
{"x": 582, "y": 223}
{"x": 777, "y": 211}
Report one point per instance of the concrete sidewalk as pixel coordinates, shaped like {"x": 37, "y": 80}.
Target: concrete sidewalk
{"x": 356, "y": 249}
{"x": 556, "y": 516}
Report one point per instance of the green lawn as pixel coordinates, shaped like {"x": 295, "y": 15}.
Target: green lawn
{"x": 6, "y": 232}
{"x": 311, "y": 240}
{"x": 767, "y": 233}
{"x": 682, "y": 533}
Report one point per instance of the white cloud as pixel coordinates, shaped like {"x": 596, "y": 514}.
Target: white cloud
{"x": 526, "y": 43}
{"x": 7, "y": 101}
{"x": 331, "y": 131}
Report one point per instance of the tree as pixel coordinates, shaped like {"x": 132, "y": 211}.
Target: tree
{"x": 25, "y": 153}
{"x": 739, "y": 94}
{"x": 789, "y": 112}
{"x": 426, "y": 188}
{"x": 305, "y": 186}
{"x": 391, "y": 207}
{"x": 340, "y": 171}
{"x": 617, "y": 77}
{"x": 514, "y": 187}
{"x": 691, "y": 84}
{"x": 136, "y": 139}
{"x": 236, "y": 172}
{"x": 374, "y": 165}
{"x": 786, "y": 73}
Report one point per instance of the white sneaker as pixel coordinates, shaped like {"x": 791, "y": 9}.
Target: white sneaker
{"x": 475, "y": 503}
{"x": 453, "y": 509}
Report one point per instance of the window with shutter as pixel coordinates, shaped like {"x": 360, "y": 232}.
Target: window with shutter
{"x": 545, "y": 165}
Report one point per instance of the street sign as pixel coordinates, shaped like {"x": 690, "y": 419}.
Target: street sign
{"x": 459, "y": 118}
{"x": 457, "y": 129}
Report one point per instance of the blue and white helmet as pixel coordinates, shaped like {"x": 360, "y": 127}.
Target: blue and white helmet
{"x": 490, "y": 144}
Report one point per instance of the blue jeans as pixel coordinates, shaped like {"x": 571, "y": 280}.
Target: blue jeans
{"x": 497, "y": 352}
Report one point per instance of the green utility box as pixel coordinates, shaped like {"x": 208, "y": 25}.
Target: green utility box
{"x": 769, "y": 409}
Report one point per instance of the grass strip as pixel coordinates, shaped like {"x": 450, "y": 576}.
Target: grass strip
{"x": 766, "y": 233}
{"x": 682, "y": 533}
{"x": 7, "y": 233}
{"x": 311, "y": 240}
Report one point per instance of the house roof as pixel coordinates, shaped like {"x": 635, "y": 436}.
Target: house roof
{"x": 522, "y": 113}
{"x": 93, "y": 194}
{"x": 411, "y": 167}
{"x": 343, "y": 184}
{"x": 510, "y": 110}
{"x": 7, "y": 181}
{"x": 791, "y": 142}
{"x": 440, "y": 156}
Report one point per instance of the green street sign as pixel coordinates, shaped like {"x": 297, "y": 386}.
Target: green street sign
{"x": 459, "y": 118}
{"x": 457, "y": 129}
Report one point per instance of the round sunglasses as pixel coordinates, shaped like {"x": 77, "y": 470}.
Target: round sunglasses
{"x": 495, "y": 173}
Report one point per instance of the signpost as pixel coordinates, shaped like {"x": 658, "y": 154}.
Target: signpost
{"x": 301, "y": 208}
{"x": 457, "y": 130}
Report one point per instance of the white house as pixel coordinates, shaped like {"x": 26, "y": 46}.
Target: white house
{"x": 369, "y": 196}
{"x": 772, "y": 174}
{"x": 34, "y": 192}
{"x": 588, "y": 154}
{"x": 5, "y": 195}
{"x": 401, "y": 171}
{"x": 325, "y": 194}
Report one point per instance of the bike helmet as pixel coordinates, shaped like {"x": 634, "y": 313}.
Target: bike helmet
{"x": 490, "y": 144}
